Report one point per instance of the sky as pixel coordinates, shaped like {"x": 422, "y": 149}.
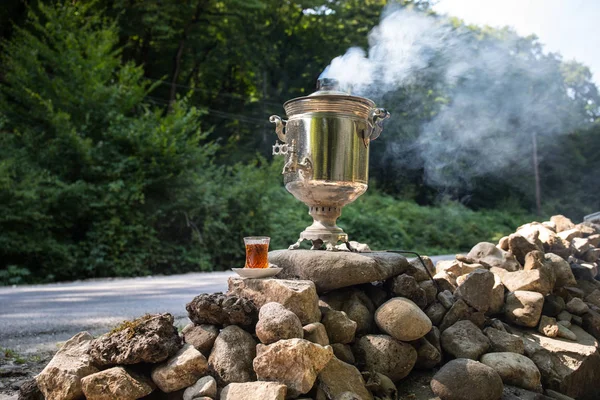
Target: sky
{"x": 569, "y": 27}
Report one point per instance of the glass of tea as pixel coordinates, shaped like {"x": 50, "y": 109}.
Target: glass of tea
{"x": 257, "y": 251}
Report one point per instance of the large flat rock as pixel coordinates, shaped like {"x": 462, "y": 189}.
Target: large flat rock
{"x": 568, "y": 367}
{"x": 331, "y": 270}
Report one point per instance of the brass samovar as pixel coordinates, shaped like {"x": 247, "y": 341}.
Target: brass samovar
{"x": 326, "y": 144}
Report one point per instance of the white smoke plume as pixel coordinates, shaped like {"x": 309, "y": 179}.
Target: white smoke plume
{"x": 498, "y": 96}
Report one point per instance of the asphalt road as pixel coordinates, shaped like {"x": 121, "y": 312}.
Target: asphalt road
{"x": 36, "y": 317}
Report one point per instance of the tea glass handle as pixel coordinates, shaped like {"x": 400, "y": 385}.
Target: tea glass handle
{"x": 279, "y": 126}
{"x": 376, "y": 118}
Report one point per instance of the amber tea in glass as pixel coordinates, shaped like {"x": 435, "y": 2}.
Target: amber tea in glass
{"x": 257, "y": 251}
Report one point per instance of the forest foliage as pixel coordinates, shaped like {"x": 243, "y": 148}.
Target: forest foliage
{"x": 134, "y": 139}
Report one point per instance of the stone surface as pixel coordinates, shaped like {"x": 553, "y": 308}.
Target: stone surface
{"x": 181, "y": 370}
{"x": 61, "y": 379}
{"x": 520, "y": 246}
{"x": 343, "y": 352}
{"x": 357, "y": 305}
{"x": 464, "y": 379}
{"x": 562, "y": 269}
{"x": 591, "y": 323}
{"x": 339, "y": 377}
{"x": 254, "y": 391}
{"x": 445, "y": 281}
{"x": 293, "y": 362}
{"x": 548, "y": 326}
{"x": 490, "y": 255}
{"x": 465, "y": 340}
{"x": 275, "y": 322}
{"x": 435, "y": 313}
{"x": 402, "y": 319}
{"x": 553, "y": 305}
{"x": 231, "y": 357}
{"x": 406, "y": 286}
{"x": 300, "y": 297}
{"x": 116, "y": 383}
{"x": 562, "y": 223}
{"x": 334, "y": 270}
{"x": 567, "y": 367}
{"x": 29, "y": 390}
{"x": 550, "y": 241}
{"x": 446, "y": 298}
{"x": 430, "y": 290}
{"x": 502, "y": 341}
{"x": 524, "y": 308}
{"x": 566, "y": 333}
{"x": 340, "y": 328}
{"x": 461, "y": 311}
{"x": 577, "y": 306}
{"x": 514, "y": 369}
{"x": 533, "y": 280}
{"x": 420, "y": 273}
{"x": 476, "y": 290}
{"x": 428, "y": 356}
{"x": 380, "y": 386}
{"x": 205, "y": 386}
{"x": 386, "y": 355}
{"x": 316, "y": 333}
{"x": 202, "y": 337}
{"x": 564, "y": 316}
{"x": 221, "y": 309}
{"x": 149, "y": 339}
{"x": 497, "y": 297}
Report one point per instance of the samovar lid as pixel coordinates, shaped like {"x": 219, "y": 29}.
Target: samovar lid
{"x": 329, "y": 98}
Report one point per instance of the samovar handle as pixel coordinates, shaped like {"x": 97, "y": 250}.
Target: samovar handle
{"x": 279, "y": 126}
{"x": 376, "y": 118}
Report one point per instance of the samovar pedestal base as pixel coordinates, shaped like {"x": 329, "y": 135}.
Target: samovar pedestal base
{"x": 324, "y": 230}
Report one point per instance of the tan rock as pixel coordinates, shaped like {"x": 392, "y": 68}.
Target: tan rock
{"x": 231, "y": 357}
{"x": 338, "y": 377}
{"x": 61, "y": 379}
{"x": 551, "y": 242}
{"x": 316, "y": 333}
{"x": 202, "y": 337}
{"x": 181, "y": 370}
{"x": 340, "y": 328}
{"x": 205, "y": 386}
{"x": 548, "y": 326}
{"x": 497, "y": 297}
{"x": 116, "y": 383}
{"x": 254, "y": 391}
{"x": 570, "y": 234}
{"x": 514, "y": 369}
{"x": 293, "y": 362}
{"x": 524, "y": 308}
{"x": 562, "y": 270}
{"x": 300, "y": 297}
{"x": 275, "y": 322}
{"x": 476, "y": 290}
{"x": 535, "y": 280}
{"x": 562, "y": 223}
{"x": 521, "y": 246}
{"x": 402, "y": 319}
{"x": 335, "y": 270}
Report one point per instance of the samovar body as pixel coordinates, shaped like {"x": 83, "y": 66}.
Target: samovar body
{"x": 326, "y": 144}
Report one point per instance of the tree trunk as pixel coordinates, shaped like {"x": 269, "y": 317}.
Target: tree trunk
{"x": 536, "y": 174}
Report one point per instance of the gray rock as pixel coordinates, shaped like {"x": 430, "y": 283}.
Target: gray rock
{"x": 254, "y": 391}
{"x": 514, "y": 369}
{"x": 402, "y": 319}
{"x": 465, "y": 340}
{"x": 524, "y": 308}
{"x": 61, "y": 378}
{"x": 343, "y": 352}
{"x": 420, "y": 273}
{"x": 357, "y": 305}
{"x": 221, "y": 309}
{"x": 490, "y": 255}
{"x": 590, "y": 321}
{"x": 205, "y": 386}
{"x": 430, "y": 290}
{"x": 428, "y": 356}
{"x": 562, "y": 270}
{"x": 316, "y": 333}
{"x": 380, "y": 386}
{"x": 340, "y": 328}
{"x": 202, "y": 337}
{"x": 564, "y": 316}
{"x": 435, "y": 313}
{"x": 334, "y": 270}
{"x": 566, "y": 324}
{"x": 300, "y": 297}
{"x": 464, "y": 379}
{"x": 566, "y": 367}
{"x": 29, "y": 390}
{"x": 553, "y": 305}
{"x": 502, "y": 341}
{"x": 275, "y": 322}
{"x": 149, "y": 339}
{"x": 339, "y": 377}
{"x": 558, "y": 396}
{"x": 577, "y": 306}
{"x": 434, "y": 337}
{"x": 116, "y": 383}
{"x": 181, "y": 370}
{"x": 406, "y": 286}
{"x": 231, "y": 357}
{"x": 566, "y": 333}
{"x": 476, "y": 290}
{"x": 548, "y": 326}
{"x": 461, "y": 311}
{"x": 386, "y": 355}
{"x": 293, "y": 362}
{"x": 446, "y": 298}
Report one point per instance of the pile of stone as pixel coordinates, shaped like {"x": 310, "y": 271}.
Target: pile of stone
{"x": 516, "y": 320}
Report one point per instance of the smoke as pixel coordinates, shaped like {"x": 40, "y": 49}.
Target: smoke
{"x": 487, "y": 94}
